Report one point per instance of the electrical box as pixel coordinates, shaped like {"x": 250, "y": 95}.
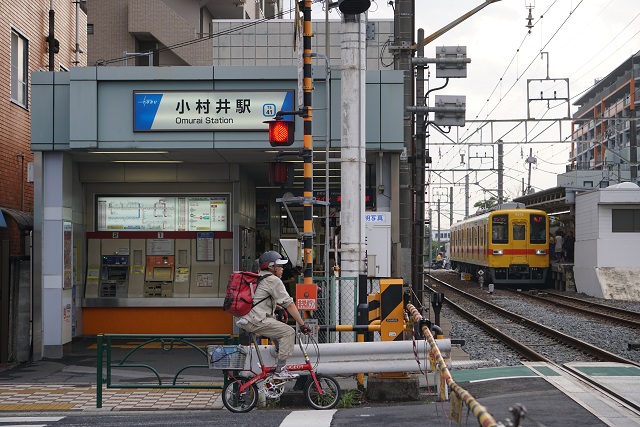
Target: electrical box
{"x": 378, "y": 243}
{"x": 453, "y": 63}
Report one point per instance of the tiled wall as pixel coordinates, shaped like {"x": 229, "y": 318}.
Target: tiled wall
{"x": 271, "y": 43}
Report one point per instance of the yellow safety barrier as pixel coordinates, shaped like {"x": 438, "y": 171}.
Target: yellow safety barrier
{"x": 391, "y": 310}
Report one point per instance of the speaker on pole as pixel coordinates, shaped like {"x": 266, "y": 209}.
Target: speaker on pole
{"x": 353, "y": 7}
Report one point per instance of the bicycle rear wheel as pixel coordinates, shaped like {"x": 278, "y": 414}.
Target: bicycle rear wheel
{"x": 329, "y": 396}
{"x": 237, "y": 402}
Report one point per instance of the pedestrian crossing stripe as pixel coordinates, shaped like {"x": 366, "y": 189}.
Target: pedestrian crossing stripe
{"x": 29, "y": 419}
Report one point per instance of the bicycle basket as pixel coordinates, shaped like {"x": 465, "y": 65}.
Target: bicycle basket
{"x": 230, "y": 357}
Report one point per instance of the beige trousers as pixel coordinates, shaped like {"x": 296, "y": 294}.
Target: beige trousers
{"x": 281, "y": 333}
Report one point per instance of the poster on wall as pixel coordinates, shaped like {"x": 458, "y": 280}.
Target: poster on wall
{"x": 67, "y": 255}
{"x": 205, "y": 249}
{"x": 162, "y": 213}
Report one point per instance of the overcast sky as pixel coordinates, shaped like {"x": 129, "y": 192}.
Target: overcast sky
{"x": 584, "y": 40}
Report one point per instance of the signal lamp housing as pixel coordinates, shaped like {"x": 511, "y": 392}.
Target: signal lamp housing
{"x": 281, "y": 132}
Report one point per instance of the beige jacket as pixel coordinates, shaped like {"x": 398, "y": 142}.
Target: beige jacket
{"x": 271, "y": 288}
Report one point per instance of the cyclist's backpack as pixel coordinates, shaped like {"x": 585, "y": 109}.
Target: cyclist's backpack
{"x": 240, "y": 290}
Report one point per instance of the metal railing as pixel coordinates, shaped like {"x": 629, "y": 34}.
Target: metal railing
{"x": 143, "y": 344}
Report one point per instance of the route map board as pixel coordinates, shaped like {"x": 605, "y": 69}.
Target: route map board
{"x": 157, "y": 213}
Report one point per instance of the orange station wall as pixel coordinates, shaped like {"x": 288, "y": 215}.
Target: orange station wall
{"x": 156, "y": 320}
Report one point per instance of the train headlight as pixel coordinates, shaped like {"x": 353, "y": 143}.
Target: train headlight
{"x": 498, "y": 252}
{"x": 541, "y": 251}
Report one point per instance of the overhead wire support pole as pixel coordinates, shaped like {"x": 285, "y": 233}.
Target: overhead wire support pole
{"x": 420, "y": 160}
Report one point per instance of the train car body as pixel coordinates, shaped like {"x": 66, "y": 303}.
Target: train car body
{"x": 509, "y": 244}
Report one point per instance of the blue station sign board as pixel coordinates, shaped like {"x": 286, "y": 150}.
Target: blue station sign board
{"x": 208, "y": 110}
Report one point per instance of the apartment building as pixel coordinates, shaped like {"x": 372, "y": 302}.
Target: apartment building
{"x": 605, "y": 131}
{"x": 220, "y": 32}
{"x": 25, "y": 49}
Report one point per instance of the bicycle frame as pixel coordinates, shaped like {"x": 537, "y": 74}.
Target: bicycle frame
{"x": 265, "y": 371}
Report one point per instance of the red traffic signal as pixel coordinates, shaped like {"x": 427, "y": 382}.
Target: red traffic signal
{"x": 281, "y": 132}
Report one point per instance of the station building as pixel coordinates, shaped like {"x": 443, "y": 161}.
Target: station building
{"x": 151, "y": 184}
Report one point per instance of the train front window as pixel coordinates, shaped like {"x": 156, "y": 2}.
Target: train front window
{"x": 538, "y": 229}
{"x": 518, "y": 231}
{"x": 500, "y": 229}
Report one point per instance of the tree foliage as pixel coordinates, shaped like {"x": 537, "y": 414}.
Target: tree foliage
{"x": 488, "y": 203}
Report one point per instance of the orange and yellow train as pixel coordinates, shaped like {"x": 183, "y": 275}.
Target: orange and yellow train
{"x": 509, "y": 244}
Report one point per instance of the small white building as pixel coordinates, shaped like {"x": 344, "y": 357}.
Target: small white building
{"x": 442, "y": 235}
{"x": 607, "y": 236}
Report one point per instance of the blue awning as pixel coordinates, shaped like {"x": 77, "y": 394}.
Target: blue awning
{"x": 3, "y": 223}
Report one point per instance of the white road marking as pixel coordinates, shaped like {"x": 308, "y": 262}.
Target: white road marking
{"x": 21, "y": 420}
{"x": 24, "y": 425}
{"x": 309, "y": 418}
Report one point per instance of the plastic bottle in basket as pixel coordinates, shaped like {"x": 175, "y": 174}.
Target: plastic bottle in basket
{"x": 217, "y": 356}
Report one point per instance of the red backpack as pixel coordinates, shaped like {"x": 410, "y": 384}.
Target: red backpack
{"x": 240, "y": 290}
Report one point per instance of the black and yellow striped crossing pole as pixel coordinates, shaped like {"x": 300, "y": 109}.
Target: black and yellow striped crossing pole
{"x": 307, "y": 114}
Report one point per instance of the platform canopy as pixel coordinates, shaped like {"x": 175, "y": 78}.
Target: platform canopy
{"x": 553, "y": 201}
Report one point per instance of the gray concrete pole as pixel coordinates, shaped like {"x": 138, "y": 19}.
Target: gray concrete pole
{"x": 353, "y": 160}
{"x": 500, "y": 172}
{"x": 403, "y": 22}
{"x": 466, "y": 195}
{"x": 450, "y": 208}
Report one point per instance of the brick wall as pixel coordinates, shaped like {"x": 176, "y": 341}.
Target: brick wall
{"x": 31, "y": 20}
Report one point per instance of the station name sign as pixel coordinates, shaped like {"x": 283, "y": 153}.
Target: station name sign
{"x": 208, "y": 110}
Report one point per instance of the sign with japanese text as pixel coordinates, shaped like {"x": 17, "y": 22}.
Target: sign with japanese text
{"x": 208, "y": 110}
{"x": 306, "y": 297}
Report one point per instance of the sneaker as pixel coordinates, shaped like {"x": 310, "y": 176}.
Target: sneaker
{"x": 284, "y": 375}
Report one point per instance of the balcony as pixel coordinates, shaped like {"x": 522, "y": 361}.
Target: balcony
{"x": 154, "y": 20}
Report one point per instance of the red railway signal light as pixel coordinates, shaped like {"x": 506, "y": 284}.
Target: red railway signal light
{"x": 281, "y": 132}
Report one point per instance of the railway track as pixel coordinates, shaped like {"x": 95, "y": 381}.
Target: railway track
{"x": 621, "y": 316}
{"x": 533, "y": 341}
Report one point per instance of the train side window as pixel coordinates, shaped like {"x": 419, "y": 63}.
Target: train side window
{"x": 538, "y": 229}
{"x": 500, "y": 228}
{"x": 518, "y": 231}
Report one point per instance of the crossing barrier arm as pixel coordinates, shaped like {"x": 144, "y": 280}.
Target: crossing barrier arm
{"x": 485, "y": 419}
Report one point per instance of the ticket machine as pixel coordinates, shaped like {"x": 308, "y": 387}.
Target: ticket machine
{"x": 159, "y": 276}
{"x": 114, "y": 276}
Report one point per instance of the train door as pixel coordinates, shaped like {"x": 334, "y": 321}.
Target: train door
{"x": 519, "y": 242}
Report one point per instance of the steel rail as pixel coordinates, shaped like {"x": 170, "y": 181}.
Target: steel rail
{"x": 630, "y": 315}
{"x": 570, "y": 341}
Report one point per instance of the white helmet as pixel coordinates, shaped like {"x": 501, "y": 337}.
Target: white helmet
{"x": 271, "y": 258}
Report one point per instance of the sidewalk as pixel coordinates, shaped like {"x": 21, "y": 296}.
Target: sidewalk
{"x": 69, "y": 384}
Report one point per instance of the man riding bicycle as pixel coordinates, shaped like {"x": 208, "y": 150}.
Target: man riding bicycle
{"x": 270, "y": 294}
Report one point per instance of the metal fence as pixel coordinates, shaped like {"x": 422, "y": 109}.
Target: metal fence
{"x": 338, "y": 303}
{"x": 144, "y": 357}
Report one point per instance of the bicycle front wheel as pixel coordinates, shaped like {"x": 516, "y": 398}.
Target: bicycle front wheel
{"x": 238, "y": 402}
{"x": 326, "y": 399}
